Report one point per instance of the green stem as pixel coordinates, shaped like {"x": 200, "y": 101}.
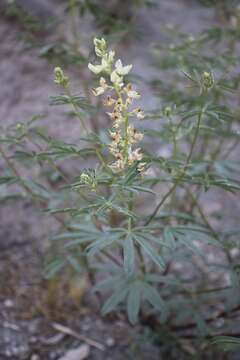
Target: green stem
{"x": 76, "y": 111}
{"x": 203, "y": 216}
{"x": 181, "y": 176}
{"x": 126, "y": 123}
{"x": 17, "y": 174}
{"x": 73, "y": 20}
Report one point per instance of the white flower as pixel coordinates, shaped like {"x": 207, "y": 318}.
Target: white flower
{"x": 116, "y": 79}
{"x": 139, "y": 113}
{"x": 135, "y": 155}
{"x": 98, "y": 91}
{"x": 96, "y": 69}
{"x": 101, "y": 89}
{"x": 117, "y": 166}
{"x": 103, "y": 83}
{"x": 111, "y": 56}
{"x": 122, "y": 70}
{"x": 109, "y": 101}
{"x": 133, "y": 94}
{"x": 141, "y": 168}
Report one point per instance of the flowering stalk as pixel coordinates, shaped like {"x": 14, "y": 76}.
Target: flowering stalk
{"x": 119, "y": 99}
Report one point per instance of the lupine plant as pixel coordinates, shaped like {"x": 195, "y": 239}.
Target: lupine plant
{"x": 135, "y": 222}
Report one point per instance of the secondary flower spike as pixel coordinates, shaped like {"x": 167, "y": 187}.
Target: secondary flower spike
{"x": 119, "y": 98}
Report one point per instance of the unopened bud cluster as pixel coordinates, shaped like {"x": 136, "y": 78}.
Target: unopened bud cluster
{"x": 167, "y": 111}
{"x": 207, "y": 80}
{"x": 88, "y": 178}
{"x": 119, "y": 99}
{"x": 60, "y": 78}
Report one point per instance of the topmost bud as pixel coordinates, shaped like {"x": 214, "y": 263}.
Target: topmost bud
{"x": 208, "y": 79}
{"x": 100, "y": 47}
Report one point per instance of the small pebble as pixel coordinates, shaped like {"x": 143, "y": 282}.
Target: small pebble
{"x": 110, "y": 342}
{"x": 8, "y": 303}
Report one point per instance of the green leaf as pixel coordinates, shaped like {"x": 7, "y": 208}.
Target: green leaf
{"x": 129, "y": 256}
{"x": 169, "y": 238}
{"x": 133, "y": 302}
{"x": 54, "y": 267}
{"x": 116, "y": 298}
{"x": 8, "y": 180}
{"x": 74, "y": 262}
{"x": 76, "y": 100}
{"x": 67, "y": 235}
{"x": 99, "y": 245}
{"x": 201, "y": 324}
{"x": 226, "y": 343}
{"x": 157, "y": 259}
{"x": 109, "y": 283}
{"x": 167, "y": 280}
{"x": 152, "y": 296}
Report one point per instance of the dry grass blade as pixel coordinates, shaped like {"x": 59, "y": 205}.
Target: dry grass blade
{"x": 66, "y": 330}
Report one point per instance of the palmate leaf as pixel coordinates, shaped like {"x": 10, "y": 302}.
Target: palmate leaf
{"x": 187, "y": 236}
{"x": 198, "y": 233}
{"x": 134, "y": 291}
